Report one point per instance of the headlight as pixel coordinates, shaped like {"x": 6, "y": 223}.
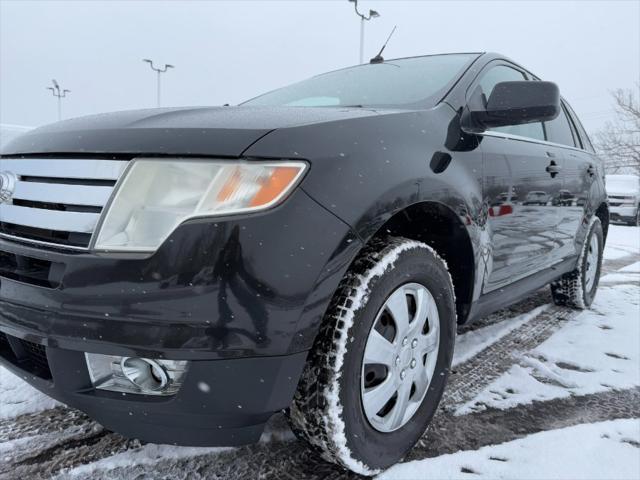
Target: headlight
{"x": 157, "y": 195}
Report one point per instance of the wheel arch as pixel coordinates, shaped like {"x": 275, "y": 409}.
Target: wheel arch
{"x": 437, "y": 225}
{"x": 602, "y": 212}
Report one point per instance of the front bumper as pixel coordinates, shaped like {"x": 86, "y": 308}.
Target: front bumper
{"x": 221, "y": 402}
{"x": 241, "y": 299}
{"x": 623, "y": 212}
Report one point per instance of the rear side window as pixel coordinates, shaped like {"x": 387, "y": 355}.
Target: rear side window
{"x": 502, "y": 73}
{"x": 559, "y": 130}
{"x": 586, "y": 143}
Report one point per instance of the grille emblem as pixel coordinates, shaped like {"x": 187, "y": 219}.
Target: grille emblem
{"x": 7, "y": 186}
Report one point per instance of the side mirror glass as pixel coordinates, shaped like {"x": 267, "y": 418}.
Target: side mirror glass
{"x": 516, "y": 103}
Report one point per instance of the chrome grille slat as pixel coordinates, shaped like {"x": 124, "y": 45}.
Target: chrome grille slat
{"x": 57, "y": 202}
{"x": 64, "y": 168}
{"x": 49, "y": 219}
{"x": 62, "y": 193}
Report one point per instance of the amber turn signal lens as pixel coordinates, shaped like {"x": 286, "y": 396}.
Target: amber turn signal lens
{"x": 278, "y": 182}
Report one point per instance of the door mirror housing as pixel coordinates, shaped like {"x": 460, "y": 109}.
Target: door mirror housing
{"x": 513, "y": 103}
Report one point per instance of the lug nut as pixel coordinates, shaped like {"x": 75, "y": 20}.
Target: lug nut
{"x": 405, "y": 340}
{"x": 397, "y": 361}
{"x": 413, "y": 363}
{"x": 414, "y": 343}
{"x": 403, "y": 374}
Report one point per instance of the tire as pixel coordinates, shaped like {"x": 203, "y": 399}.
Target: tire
{"x": 635, "y": 221}
{"x": 575, "y": 289}
{"x": 328, "y": 410}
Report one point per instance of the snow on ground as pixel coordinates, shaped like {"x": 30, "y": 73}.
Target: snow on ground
{"x": 598, "y": 350}
{"x": 590, "y": 451}
{"x": 628, "y": 274}
{"x": 633, "y": 268}
{"x": 471, "y": 343}
{"x": 18, "y": 397}
{"x": 148, "y": 454}
{"x": 621, "y": 241}
{"x": 620, "y": 278}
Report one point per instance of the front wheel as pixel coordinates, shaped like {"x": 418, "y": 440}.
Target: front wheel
{"x": 378, "y": 368}
{"x": 577, "y": 289}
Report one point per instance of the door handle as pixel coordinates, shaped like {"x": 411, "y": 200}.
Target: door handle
{"x": 553, "y": 169}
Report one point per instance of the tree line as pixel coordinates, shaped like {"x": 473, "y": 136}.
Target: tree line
{"x": 618, "y": 143}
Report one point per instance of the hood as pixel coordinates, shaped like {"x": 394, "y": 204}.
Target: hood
{"x": 623, "y": 185}
{"x": 220, "y": 131}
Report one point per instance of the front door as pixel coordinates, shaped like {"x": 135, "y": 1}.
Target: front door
{"x": 522, "y": 177}
{"x": 523, "y": 219}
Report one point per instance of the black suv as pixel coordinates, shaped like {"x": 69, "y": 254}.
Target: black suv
{"x": 312, "y": 249}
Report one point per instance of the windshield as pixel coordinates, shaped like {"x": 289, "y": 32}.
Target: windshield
{"x": 392, "y": 83}
{"x": 623, "y": 183}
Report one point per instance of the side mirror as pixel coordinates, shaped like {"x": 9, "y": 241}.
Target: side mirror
{"x": 516, "y": 103}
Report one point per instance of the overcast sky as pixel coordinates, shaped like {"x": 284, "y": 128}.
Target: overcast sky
{"x": 228, "y": 51}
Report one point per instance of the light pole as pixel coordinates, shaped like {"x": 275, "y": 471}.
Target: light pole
{"x": 363, "y": 18}
{"x": 158, "y": 71}
{"x": 57, "y": 92}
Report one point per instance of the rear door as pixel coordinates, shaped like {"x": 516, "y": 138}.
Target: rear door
{"x": 578, "y": 176}
{"x": 517, "y": 163}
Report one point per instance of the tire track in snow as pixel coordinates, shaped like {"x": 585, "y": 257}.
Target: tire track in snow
{"x": 469, "y": 378}
{"x": 43, "y": 464}
{"x": 449, "y": 433}
{"x": 446, "y": 434}
{"x": 41, "y": 423}
{"x": 613, "y": 265}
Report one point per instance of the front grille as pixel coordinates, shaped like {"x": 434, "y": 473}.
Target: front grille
{"x": 36, "y": 356}
{"x": 4, "y": 342}
{"x": 618, "y": 200}
{"x": 28, "y": 356}
{"x": 67, "y": 239}
{"x": 35, "y": 271}
{"x": 57, "y": 201}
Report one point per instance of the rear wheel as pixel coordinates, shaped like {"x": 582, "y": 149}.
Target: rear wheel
{"x": 635, "y": 222}
{"x": 380, "y": 363}
{"x": 577, "y": 289}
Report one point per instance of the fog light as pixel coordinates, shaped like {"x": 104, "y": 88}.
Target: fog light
{"x": 144, "y": 373}
{"x": 135, "y": 375}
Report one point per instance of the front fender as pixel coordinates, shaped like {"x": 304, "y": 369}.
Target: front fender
{"x": 366, "y": 170}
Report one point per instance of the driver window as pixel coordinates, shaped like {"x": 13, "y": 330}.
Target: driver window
{"x": 502, "y": 73}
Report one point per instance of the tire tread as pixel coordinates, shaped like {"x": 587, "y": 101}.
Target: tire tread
{"x": 308, "y": 413}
